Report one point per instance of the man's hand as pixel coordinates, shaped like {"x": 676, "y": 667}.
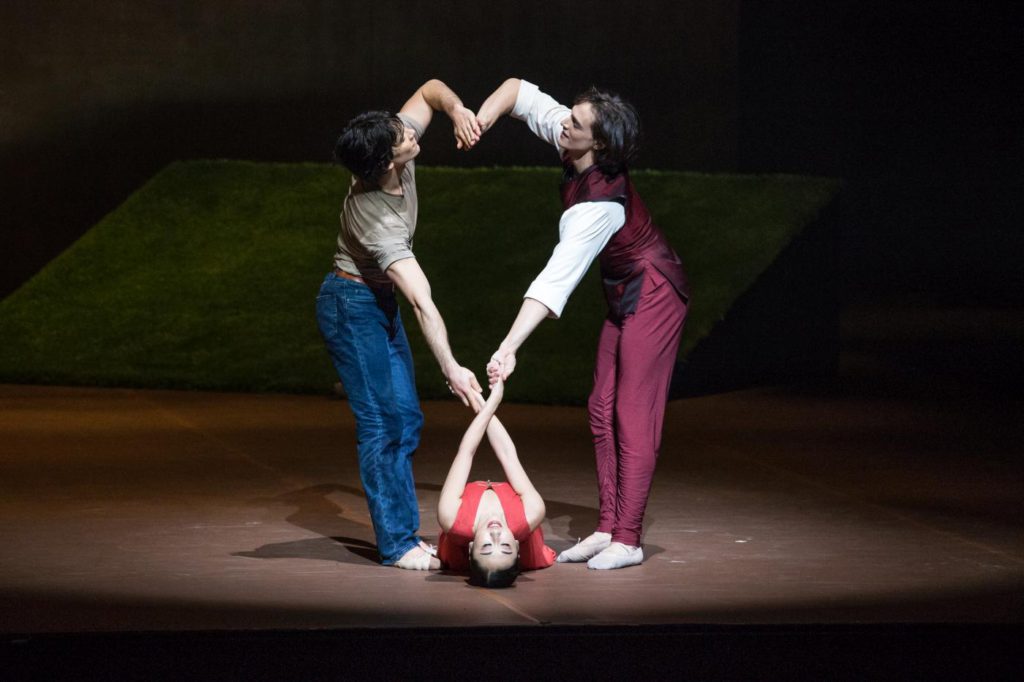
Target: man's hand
{"x": 467, "y": 129}
{"x": 499, "y": 103}
{"x": 463, "y": 384}
{"x": 484, "y": 123}
{"x": 501, "y": 366}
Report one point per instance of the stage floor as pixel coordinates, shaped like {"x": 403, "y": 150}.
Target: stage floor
{"x": 139, "y": 510}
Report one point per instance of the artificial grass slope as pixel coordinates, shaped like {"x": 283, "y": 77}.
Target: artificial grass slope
{"x": 206, "y": 276}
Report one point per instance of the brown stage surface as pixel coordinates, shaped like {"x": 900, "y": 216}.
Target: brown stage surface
{"x": 160, "y": 510}
{"x": 875, "y": 500}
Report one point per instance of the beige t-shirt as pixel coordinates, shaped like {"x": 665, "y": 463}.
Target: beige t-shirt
{"x": 376, "y": 227}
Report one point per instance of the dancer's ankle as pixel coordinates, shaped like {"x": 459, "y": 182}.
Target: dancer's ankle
{"x": 417, "y": 559}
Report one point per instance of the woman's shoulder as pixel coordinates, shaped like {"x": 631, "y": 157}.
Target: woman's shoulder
{"x": 515, "y": 513}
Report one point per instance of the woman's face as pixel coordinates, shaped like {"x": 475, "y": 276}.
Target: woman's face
{"x": 577, "y": 135}
{"x": 494, "y": 547}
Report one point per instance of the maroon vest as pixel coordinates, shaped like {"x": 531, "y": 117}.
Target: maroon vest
{"x": 637, "y": 244}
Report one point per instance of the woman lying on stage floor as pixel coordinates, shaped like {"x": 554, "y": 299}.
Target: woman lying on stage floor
{"x": 491, "y": 529}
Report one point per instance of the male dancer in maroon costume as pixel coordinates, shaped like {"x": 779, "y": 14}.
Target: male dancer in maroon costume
{"x": 645, "y": 287}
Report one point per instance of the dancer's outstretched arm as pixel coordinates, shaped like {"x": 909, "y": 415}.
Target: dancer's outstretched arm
{"x": 410, "y": 280}
{"x": 541, "y": 113}
{"x": 584, "y": 229}
{"x": 458, "y": 474}
{"x": 499, "y": 103}
{"x": 515, "y": 474}
{"x": 433, "y": 96}
{"x": 503, "y": 362}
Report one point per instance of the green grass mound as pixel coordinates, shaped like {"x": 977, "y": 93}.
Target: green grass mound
{"x": 206, "y": 277}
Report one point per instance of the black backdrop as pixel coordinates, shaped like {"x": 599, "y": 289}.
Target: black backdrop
{"x": 913, "y": 104}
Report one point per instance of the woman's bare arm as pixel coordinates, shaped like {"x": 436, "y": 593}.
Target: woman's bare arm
{"x": 515, "y": 474}
{"x": 451, "y": 493}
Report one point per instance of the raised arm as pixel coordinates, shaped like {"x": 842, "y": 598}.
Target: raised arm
{"x": 584, "y": 230}
{"x": 499, "y": 103}
{"x": 458, "y": 473}
{"x": 503, "y": 361}
{"x": 433, "y": 96}
{"x": 515, "y": 474}
{"x": 524, "y": 101}
{"x": 409, "y": 278}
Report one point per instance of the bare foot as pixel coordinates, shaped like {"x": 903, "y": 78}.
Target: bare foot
{"x": 417, "y": 559}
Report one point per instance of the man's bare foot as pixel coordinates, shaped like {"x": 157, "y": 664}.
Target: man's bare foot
{"x": 418, "y": 559}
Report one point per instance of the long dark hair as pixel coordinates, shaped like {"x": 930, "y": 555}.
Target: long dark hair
{"x": 616, "y": 126}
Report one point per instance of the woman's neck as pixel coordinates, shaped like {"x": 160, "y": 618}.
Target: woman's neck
{"x": 489, "y": 508}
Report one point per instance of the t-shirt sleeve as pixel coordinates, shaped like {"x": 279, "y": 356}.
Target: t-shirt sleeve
{"x": 375, "y": 230}
{"x": 388, "y": 243}
{"x": 412, "y": 123}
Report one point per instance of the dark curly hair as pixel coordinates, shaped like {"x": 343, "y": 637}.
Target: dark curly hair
{"x": 616, "y": 126}
{"x": 366, "y": 144}
{"x": 482, "y": 577}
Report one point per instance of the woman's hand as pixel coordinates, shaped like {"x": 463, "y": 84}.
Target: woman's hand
{"x": 501, "y": 366}
{"x": 476, "y": 401}
{"x": 497, "y": 391}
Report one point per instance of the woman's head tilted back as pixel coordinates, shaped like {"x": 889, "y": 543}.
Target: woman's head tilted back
{"x": 493, "y": 555}
{"x": 494, "y": 551}
{"x": 616, "y": 129}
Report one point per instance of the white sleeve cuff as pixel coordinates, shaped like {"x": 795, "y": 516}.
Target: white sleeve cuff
{"x": 554, "y": 298}
{"x": 584, "y": 230}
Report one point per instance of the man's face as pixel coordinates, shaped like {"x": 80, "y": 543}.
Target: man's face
{"x": 408, "y": 147}
{"x": 577, "y": 135}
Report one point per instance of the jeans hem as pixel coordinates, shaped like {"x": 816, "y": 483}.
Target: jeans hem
{"x": 398, "y": 555}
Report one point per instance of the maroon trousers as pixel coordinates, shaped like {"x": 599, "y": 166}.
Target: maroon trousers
{"x": 627, "y": 406}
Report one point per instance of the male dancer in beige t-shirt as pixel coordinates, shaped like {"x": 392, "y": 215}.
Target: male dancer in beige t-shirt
{"x": 359, "y": 318}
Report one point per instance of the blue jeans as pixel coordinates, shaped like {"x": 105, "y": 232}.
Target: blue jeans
{"x": 366, "y": 341}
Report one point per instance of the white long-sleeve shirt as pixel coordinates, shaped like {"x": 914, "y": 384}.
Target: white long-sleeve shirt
{"x": 584, "y": 229}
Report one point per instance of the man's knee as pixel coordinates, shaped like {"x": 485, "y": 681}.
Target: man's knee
{"x": 381, "y": 428}
{"x": 601, "y": 414}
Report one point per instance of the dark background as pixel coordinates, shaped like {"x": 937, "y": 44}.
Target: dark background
{"x": 914, "y": 105}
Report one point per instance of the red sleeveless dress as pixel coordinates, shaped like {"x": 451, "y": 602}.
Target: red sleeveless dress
{"x": 453, "y": 546}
